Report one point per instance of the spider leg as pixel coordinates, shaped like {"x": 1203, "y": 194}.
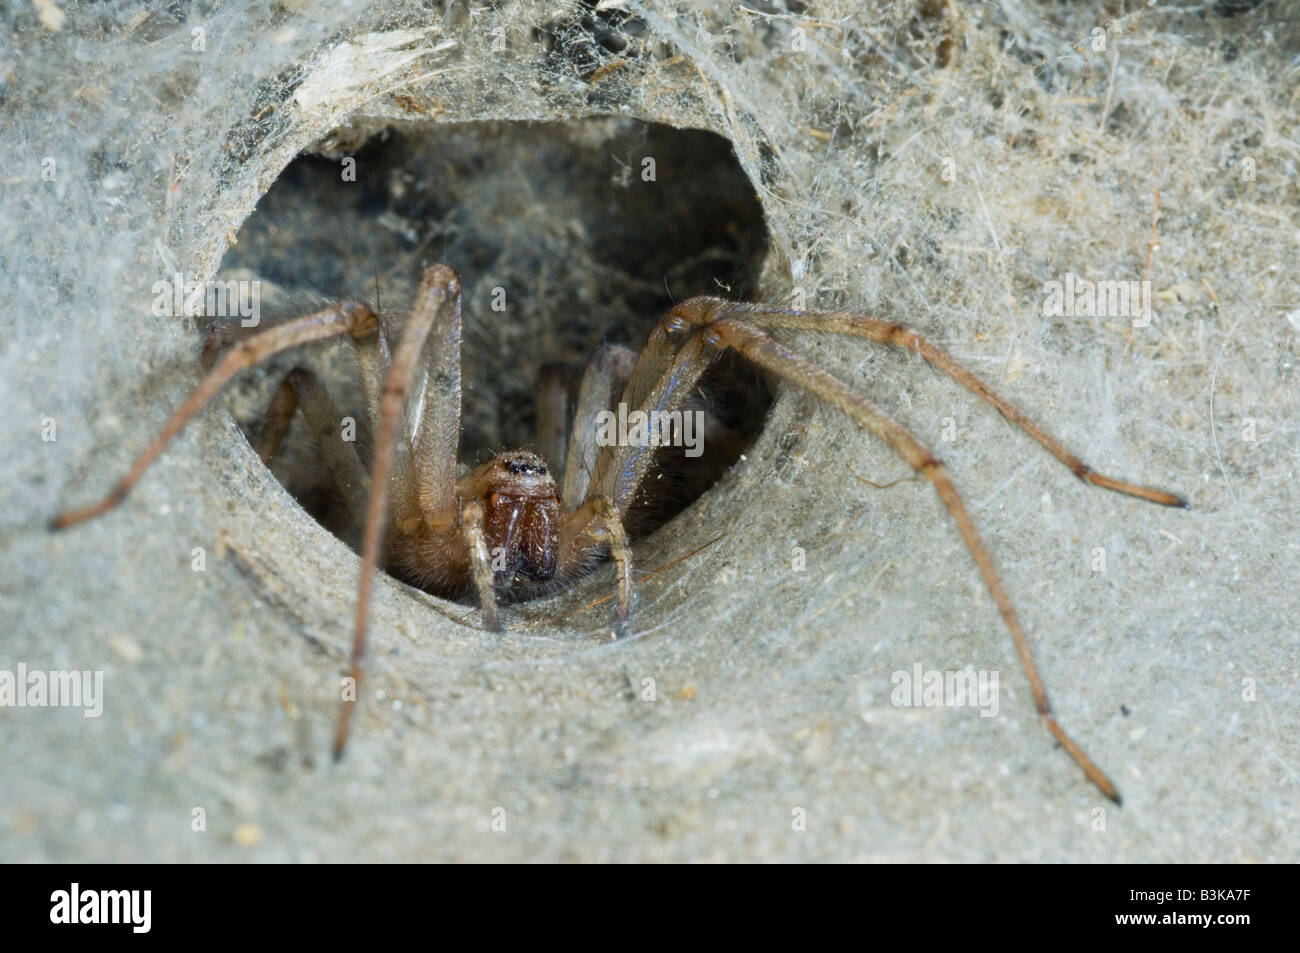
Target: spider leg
{"x": 437, "y": 298}
{"x": 664, "y": 377}
{"x": 898, "y": 335}
{"x": 354, "y": 319}
{"x": 552, "y": 414}
{"x": 734, "y": 332}
{"x": 586, "y": 530}
{"x": 471, "y": 521}
{"x": 374, "y": 358}
{"x": 301, "y": 389}
{"x": 435, "y": 421}
{"x": 220, "y": 335}
{"x": 606, "y": 374}
{"x": 661, "y": 380}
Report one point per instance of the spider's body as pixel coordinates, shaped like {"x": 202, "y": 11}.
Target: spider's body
{"x": 522, "y": 530}
{"x": 509, "y": 530}
{"x": 521, "y": 516}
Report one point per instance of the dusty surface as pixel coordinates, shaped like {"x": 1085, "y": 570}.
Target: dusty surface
{"x": 939, "y": 164}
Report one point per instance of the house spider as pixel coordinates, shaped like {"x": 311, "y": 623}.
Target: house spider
{"x": 508, "y": 529}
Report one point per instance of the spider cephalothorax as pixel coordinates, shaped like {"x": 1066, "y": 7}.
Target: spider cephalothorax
{"x": 521, "y": 510}
{"x": 514, "y": 499}
{"x": 507, "y": 530}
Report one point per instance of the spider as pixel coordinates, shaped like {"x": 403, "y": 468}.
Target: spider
{"x": 508, "y": 529}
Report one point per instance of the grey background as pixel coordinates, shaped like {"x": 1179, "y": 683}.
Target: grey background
{"x": 772, "y": 686}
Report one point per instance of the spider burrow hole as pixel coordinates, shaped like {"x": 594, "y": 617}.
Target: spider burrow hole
{"x": 565, "y": 235}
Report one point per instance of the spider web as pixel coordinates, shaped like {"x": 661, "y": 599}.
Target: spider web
{"x": 940, "y": 163}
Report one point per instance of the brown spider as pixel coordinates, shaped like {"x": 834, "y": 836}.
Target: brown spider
{"x": 506, "y": 528}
